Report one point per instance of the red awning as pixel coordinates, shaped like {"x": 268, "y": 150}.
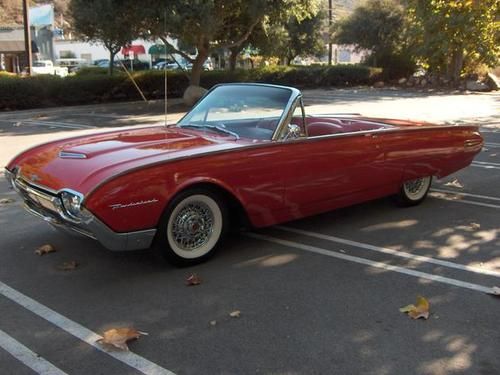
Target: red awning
{"x": 135, "y": 49}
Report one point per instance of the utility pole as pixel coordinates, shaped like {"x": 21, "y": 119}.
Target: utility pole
{"x": 330, "y": 47}
{"x": 27, "y": 35}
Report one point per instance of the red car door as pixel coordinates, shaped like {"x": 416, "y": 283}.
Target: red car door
{"x": 328, "y": 172}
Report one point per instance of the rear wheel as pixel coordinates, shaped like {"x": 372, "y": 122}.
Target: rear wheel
{"x": 414, "y": 192}
{"x": 192, "y": 227}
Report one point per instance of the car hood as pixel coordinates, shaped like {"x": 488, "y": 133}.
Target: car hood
{"x": 82, "y": 162}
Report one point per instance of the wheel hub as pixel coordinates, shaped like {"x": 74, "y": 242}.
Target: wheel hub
{"x": 193, "y": 226}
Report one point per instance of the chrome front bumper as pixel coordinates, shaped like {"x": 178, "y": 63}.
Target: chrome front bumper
{"x": 48, "y": 206}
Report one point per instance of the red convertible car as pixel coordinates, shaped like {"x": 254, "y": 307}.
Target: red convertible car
{"x": 244, "y": 151}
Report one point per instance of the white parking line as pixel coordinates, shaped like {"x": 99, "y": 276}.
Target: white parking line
{"x": 484, "y": 166}
{"x": 487, "y": 197}
{"x": 486, "y": 163}
{"x": 86, "y": 335}
{"x": 57, "y": 124}
{"x": 371, "y": 263}
{"x": 27, "y": 357}
{"x": 448, "y": 197}
{"x": 386, "y": 250}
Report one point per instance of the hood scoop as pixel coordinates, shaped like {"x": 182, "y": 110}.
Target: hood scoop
{"x": 72, "y": 155}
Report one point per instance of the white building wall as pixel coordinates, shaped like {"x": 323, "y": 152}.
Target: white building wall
{"x": 92, "y": 52}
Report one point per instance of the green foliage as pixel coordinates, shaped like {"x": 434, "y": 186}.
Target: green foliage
{"x": 376, "y": 25}
{"x": 87, "y": 88}
{"x": 394, "y": 65}
{"x": 292, "y": 37}
{"x": 453, "y": 37}
{"x": 113, "y": 23}
{"x": 91, "y": 70}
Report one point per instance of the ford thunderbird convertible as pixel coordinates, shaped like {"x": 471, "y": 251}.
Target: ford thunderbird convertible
{"x": 244, "y": 153}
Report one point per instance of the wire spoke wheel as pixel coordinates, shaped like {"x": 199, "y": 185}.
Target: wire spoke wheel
{"x": 414, "y": 191}
{"x": 194, "y": 227}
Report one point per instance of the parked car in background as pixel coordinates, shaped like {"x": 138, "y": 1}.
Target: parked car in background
{"x": 172, "y": 65}
{"x": 47, "y": 67}
{"x": 245, "y": 153}
{"x": 73, "y": 64}
{"x": 99, "y": 61}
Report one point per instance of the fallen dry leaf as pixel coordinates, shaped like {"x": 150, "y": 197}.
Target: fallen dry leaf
{"x": 475, "y": 225}
{"x": 495, "y": 291}
{"x": 420, "y": 310}
{"x": 193, "y": 279}
{"x": 68, "y": 266}
{"x": 454, "y": 183}
{"x": 118, "y": 337}
{"x": 7, "y": 200}
{"x": 45, "y": 249}
{"x": 235, "y": 314}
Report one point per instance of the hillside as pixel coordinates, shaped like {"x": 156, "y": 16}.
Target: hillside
{"x": 11, "y": 11}
{"x": 341, "y": 8}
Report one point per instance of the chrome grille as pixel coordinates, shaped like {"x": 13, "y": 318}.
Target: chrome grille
{"x": 36, "y": 196}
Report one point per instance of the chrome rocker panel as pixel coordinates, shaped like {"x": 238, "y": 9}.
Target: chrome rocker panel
{"x": 49, "y": 208}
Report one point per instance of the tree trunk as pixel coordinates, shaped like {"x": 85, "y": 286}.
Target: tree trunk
{"x": 235, "y": 51}
{"x": 457, "y": 65}
{"x": 198, "y": 66}
{"x": 111, "y": 62}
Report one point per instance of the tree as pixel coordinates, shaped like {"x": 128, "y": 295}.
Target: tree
{"x": 377, "y": 26}
{"x": 110, "y": 22}
{"x": 296, "y": 37}
{"x": 454, "y": 36}
{"x": 209, "y": 25}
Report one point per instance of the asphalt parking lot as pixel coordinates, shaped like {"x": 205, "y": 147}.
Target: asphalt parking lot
{"x": 317, "y": 296}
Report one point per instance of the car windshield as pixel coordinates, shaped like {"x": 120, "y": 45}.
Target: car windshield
{"x": 246, "y": 111}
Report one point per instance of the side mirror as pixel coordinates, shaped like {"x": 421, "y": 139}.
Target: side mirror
{"x": 293, "y": 132}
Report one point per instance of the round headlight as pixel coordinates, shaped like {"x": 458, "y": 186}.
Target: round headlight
{"x": 71, "y": 203}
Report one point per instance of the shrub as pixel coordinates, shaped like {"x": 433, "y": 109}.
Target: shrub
{"x": 93, "y": 85}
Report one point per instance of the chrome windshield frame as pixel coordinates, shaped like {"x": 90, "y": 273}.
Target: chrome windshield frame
{"x": 294, "y": 94}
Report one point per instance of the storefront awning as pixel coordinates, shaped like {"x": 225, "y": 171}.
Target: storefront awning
{"x": 12, "y": 41}
{"x": 136, "y": 49}
{"x": 159, "y": 49}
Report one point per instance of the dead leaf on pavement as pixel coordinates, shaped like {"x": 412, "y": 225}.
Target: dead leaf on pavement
{"x": 495, "y": 291}
{"x": 454, "y": 183}
{"x": 6, "y": 201}
{"x": 235, "y": 314}
{"x": 193, "y": 279}
{"x": 68, "y": 266}
{"x": 45, "y": 249}
{"x": 475, "y": 225}
{"x": 419, "y": 310}
{"x": 118, "y": 337}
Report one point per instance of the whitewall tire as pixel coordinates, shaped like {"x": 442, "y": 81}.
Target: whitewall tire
{"x": 413, "y": 192}
{"x": 192, "y": 227}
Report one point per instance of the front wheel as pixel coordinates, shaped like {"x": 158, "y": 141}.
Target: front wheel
{"x": 414, "y": 192}
{"x": 192, "y": 226}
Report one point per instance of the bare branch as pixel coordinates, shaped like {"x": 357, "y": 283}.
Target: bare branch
{"x": 178, "y": 51}
{"x": 243, "y": 38}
